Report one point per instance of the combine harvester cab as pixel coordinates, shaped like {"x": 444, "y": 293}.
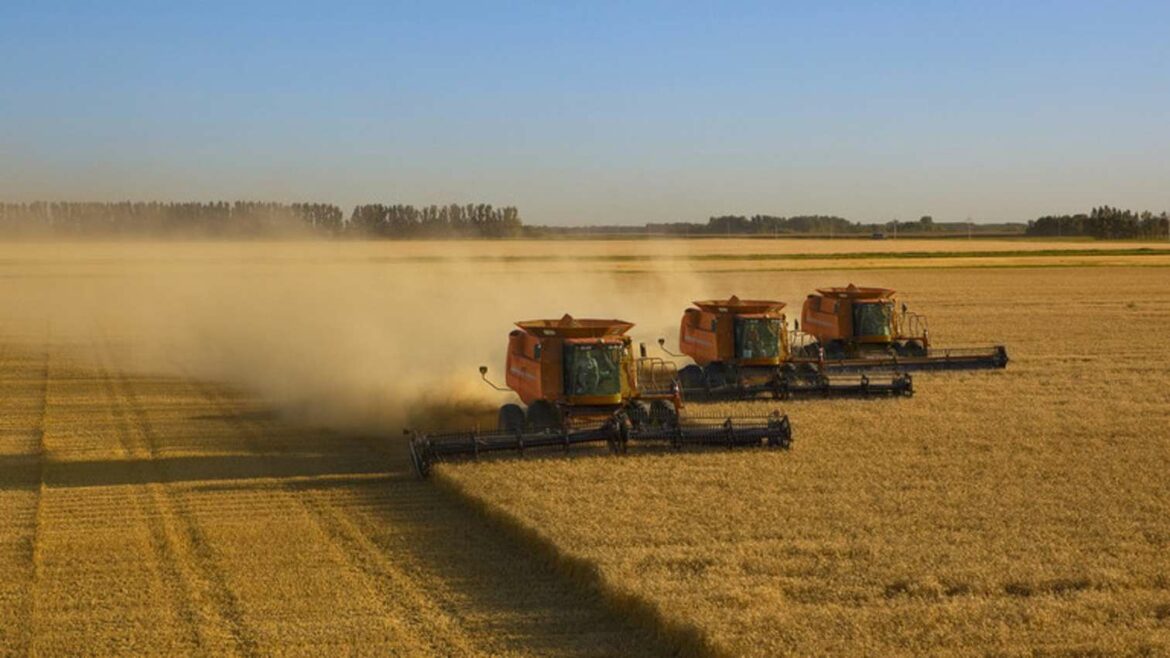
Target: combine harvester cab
{"x": 580, "y": 383}
{"x": 854, "y": 329}
{"x": 741, "y": 349}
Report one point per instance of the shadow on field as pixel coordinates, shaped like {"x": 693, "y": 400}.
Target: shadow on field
{"x": 503, "y": 591}
{"x": 24, "y": 471}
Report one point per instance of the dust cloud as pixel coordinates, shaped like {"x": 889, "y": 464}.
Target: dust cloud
{"x": 342, "y": 336}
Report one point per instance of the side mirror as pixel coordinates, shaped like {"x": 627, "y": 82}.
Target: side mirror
{"x": 796, "y": 325}
{"x": 483, "y": 375}
{"x": 903, "y": 308}
{"x": 662, "y": 342}
{"x": 642, "y": 349}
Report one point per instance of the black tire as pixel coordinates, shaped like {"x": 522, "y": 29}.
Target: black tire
{"x": 715, "y": 375}
{"x": 662, "y": 414}
{"x": 690, "y": 377}
{"x": 511, "y": 418}
{"x": 808, "y": 372}
{"x": 811, "y": 351}
{"x": 543, "y": 415}
{"x": 836, "y": 349}
{"x": 638, "y": 414}
{"x": 914, "y": 348}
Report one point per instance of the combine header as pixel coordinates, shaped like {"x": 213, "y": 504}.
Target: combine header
{"x": 854, "y": 329}
{"x": 581, "y": 384}
{"x": 741, "y": 350}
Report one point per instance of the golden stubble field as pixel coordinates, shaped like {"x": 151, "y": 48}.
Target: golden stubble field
{"x": 202, "y": 453}
{"x": 161, "y": 515}
{"x": 1020, "y": 512}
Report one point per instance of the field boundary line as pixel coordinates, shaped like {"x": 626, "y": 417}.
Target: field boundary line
{"x": 1160, "y": 250}
{"x": 680, "y": 639}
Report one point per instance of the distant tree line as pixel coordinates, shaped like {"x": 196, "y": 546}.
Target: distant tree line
{"x": 254, "y": 219}
{"x": 241, "y": 219}
{"x": 758, "y": 224}
{"x": 472, "y": 220}
{"x": 825, "y": 225}
{"x": 1105, "y": 223}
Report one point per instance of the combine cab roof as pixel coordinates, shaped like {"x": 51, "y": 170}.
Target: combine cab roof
{"x": 741, "y": 306}
{"x": 570, "y": 327}
{"x": 853, "y": 292}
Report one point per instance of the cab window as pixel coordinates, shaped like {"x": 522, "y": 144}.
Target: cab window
{"x": 757, "y": 338}
{"x": 593, "y": 369}
{"x": 872, "y": 319}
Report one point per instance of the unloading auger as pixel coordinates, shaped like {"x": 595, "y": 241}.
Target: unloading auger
{"x": 580, "y": 383}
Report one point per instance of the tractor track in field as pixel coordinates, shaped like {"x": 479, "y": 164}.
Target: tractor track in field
{"x": 34, "y": 550}
{"x": 401, "y": 538}
{"x": 184, "y": 559}
{"x": 399, "y": 596}
{"x": 24, "y": 523}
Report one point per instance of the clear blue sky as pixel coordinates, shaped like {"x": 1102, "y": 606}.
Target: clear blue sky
{"x": 595, "y": 113}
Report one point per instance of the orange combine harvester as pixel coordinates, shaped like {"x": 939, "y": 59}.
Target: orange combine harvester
{"x": 741, "y": 349}
{"x": 580, "y": 382}
{"x": 854, "y": 329}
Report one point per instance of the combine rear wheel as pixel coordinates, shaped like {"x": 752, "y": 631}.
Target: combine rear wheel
{"x": 511, "y": 418}
{"x": 543, "y": 415}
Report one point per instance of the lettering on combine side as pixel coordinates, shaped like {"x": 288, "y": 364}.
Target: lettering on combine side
{"x": 823, "y": 323}
{"x": 520, "y": 372}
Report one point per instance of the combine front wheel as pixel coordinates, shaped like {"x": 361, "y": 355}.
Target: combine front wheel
{"x": 836, "y": 349}
{"x": 662, "y": 414}
{"x": 690, "y": 377}
{"x": 543, "y": 415}
{"x": 716, "y": 375}
{"x": 639, "y": 415}
{"x": 511, "y": 418}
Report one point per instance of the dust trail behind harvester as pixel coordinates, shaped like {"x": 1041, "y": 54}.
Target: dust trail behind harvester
{"x": 329, "y": 334}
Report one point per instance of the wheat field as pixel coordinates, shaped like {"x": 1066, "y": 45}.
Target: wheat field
{"x": 165, "y": 516}
{"x": 201, "y": 452}
{"x": 1020, "y": 512}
